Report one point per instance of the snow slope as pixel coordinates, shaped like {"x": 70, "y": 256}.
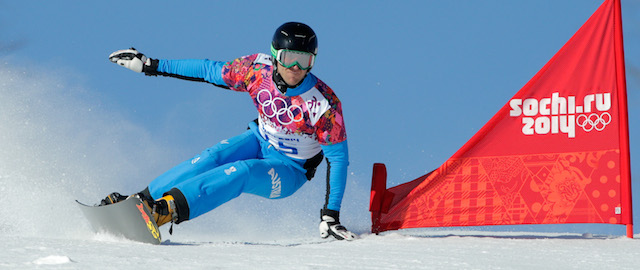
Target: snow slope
{"x": 440, "y": 250}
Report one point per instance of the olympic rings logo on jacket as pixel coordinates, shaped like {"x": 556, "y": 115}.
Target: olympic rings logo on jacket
{"x": 277, "y": 107}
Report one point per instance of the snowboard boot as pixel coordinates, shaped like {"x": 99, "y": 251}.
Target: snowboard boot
{"x": 163, "y": 210}
{"x": 113, "y": 198}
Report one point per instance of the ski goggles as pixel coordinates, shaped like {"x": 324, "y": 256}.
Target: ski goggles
{"x": 290, "y": 58}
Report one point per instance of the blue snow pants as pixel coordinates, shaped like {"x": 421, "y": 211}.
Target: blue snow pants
{"x": 243, "y": 164}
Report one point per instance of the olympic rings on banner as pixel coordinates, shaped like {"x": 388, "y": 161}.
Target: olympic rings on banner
{"x": 593, "y": 121}
{"x": 278, "y": 108}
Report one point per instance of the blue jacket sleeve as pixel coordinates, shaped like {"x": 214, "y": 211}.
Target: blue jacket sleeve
{"x": 192, "y": 69}
{"x": 338, "y": 160}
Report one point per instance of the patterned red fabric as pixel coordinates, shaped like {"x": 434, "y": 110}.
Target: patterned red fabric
{"x": 557, "y": 152}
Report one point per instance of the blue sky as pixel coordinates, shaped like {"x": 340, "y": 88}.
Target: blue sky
{"x": 417, "y": 78}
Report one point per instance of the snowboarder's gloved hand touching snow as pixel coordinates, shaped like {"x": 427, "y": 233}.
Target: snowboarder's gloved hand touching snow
{"x": 134, "y": 60}
{"x": 330, "y": 225}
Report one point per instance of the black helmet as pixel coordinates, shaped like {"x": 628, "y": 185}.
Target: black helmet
{"x": 292, "y": 36}
{"x": 295, "y": 36}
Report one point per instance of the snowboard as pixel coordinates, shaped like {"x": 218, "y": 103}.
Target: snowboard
{"x": 129, "y": 218}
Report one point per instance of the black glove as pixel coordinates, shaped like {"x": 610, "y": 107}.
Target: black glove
{"x": 330, "y": 225}
{"x": 134, "y": 60}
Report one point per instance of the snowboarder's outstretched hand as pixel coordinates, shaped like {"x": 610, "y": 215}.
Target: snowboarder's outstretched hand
{"x": 131, "y": 59}
{"x": 330, "y": 226}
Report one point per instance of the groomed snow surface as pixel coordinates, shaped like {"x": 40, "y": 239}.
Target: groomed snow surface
{"x": 427, "y": 250}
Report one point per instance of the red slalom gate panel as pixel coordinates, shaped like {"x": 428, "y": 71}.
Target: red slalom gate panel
{"x": 557, "y": 152}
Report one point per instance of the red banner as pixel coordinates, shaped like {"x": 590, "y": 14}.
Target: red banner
{"x": 557, "y": 152}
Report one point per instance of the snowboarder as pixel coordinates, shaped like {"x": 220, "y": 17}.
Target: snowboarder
{"x": 299, "y": 123}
